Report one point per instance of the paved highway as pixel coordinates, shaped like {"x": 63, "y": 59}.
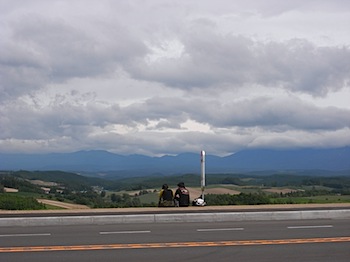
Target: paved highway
{"x": 291, "y": 240}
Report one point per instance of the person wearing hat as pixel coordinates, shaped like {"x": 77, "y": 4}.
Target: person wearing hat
{"x": 166, "y": 197}
{"x": 182, "y": 195}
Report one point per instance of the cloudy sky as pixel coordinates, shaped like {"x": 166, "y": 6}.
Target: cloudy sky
{"x": 162, "y": 77}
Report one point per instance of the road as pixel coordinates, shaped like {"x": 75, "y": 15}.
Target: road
{"x": 291, "y": 240}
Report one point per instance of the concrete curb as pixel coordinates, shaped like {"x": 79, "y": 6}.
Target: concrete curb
{"x": 175, "y": 218}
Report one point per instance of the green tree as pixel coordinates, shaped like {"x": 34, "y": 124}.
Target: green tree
{"x": 14, "y": 202}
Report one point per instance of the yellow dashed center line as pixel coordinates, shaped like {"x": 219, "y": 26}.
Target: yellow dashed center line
{"x": 175, "y": 244}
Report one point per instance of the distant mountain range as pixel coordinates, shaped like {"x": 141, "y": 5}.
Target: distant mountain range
{"x": 248, "y": 160}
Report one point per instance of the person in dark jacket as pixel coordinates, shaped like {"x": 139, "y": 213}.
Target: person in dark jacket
{"x": 182, "y": 195}
{"x": 166, "y": 197}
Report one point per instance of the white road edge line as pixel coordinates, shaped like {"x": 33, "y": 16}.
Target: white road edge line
{"x": 306, "y": 227}
{"x": 219, "y": 229}
{"x": 125, "y": 232}
{"x": 26, "y": 235}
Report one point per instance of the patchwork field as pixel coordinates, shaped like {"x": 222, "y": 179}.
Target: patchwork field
{"x": 62, "y": 204}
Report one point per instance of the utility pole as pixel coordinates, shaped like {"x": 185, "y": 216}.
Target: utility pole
{"x": 202, "y": 172}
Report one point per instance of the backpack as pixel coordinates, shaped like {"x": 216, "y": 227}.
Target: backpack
{"x": 184, "y": 197}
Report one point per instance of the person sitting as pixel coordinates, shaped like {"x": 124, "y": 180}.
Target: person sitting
{"x": 182, "y": 195}
{"x": 166, "y": 197}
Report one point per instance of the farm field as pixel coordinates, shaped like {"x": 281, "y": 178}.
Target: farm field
{"x": 151, "y": 198}
{"x": 56, "y": 190}
{"x": 61, "y": 205}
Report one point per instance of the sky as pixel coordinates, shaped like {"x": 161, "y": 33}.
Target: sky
{"x": 163, "y": 77}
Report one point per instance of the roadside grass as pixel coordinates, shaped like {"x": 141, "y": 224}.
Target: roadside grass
{"x": 51, "y": 207}
{"x": 331, "y": 199}
{"x": 324, "y": 199}
{"x": 150, "y": 198}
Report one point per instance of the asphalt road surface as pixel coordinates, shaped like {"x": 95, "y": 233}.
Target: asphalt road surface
{"x": 297, "y": 240}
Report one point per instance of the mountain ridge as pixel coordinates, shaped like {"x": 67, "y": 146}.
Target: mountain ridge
{"x": 250, "y": 160}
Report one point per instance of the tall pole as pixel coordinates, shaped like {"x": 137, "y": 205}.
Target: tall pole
{"x": 202, "y": 172}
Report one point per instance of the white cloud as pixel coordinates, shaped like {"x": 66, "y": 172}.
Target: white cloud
{"x": 162, "y": 77}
